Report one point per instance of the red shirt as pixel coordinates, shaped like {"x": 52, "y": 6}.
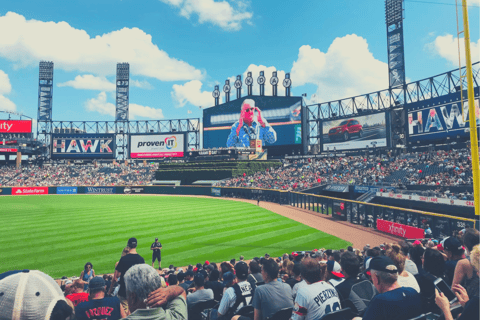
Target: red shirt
{"x": 78, "y": 298}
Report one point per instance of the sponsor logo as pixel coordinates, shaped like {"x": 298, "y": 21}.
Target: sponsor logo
{"x": 216, "y": 192}
{"x": 100, "y": 190}
{"x": 16, "y": 126}
{"x": 29, "y": 191}
{"x": 67, "y": 190}
{"x": 129, "y": 190}
{"x": 397, "y": 230}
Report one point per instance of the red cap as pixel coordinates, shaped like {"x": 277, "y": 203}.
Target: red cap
{"x": 207, "y": 262}
{"x": 417, "y": 242}
{"x": 440, "y": 247}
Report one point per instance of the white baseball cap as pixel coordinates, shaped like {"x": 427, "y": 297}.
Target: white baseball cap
{"x": 28, "y": 295}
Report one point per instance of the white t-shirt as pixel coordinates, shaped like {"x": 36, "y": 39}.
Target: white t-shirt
{"x": 315, "y": 300}
{"x": 409, "y": 282}
{"x": 297, "y": 287}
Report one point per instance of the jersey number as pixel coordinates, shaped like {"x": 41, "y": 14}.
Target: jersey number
{"x": 335, "y": 307}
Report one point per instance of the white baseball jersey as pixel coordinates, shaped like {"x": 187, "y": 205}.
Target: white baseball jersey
{"x": 315, "y": 300}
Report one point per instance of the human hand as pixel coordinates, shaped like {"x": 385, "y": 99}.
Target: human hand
{"x": 240, "y": 122}
{"x": 259, "y": 117}
{"x": 441, "y": 301}
{"x": 157, "y": 298}
{"x": 461, "y": 294}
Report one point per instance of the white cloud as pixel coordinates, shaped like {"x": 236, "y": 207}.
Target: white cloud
{"x": 144, "y": 84}
{"x": 347, "y": 69}
{"x": 89, "y": 82}
{"x": 5, "y": 88}
{"x": 219, "y": 13}
{"x": 102, "y": 106}
{"x": 29, "y": 41}
{"x": 447, "y": 47}
{"x": 192, "y": 93}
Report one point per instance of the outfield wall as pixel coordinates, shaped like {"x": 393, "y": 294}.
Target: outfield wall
{"x": 356, "y": 212}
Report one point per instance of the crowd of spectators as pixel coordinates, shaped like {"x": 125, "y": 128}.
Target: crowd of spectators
{"x": 398, "y": 281}
{"x": 437, "y": 168}
{"x": 77, "y": 175}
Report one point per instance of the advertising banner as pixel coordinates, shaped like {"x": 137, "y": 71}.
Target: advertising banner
{"x": 400, "y": 230}
{"x": 67, "y": 190}
{"x": 456, "y": 202}
{"x": 15, "y": 126}
{"x": 157, "y": 146}
{"x": 339, "y": 210}
{"x": 365, "y": 189}
{"x": 440, "y": 117}
{"x": 133, "y": 190}
{"x": 100, "y": 190}
{"x": 360, "y": 132}
{"x": 8, "y": 150}
{"x": 85, "y": 145}
{"x": 275, "y": 121}
{"x": 217, "y": 192}
{"x": 5, "y": 191}
{"x": 24, "y": 191}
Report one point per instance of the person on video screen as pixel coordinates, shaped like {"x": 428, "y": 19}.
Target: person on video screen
{"x": 247, "y": 128}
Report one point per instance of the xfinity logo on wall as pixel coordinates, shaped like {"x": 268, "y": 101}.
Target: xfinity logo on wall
{"x": 397, "y": 230}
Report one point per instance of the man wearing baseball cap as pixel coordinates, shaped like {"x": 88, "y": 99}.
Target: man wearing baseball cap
{"x": 454, "y": 252}
{"x": 238, "y": 295}
{"x": 125, "y": 263}
{"x": 98, "y": 306}
{"x": 394, "y": 302}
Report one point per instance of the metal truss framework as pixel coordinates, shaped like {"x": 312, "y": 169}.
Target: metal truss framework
{"x": 395, "y": 47}
{"x": 45, "y": 98}
{"x": 421, "y": 90}
{"x": 123, "y": 129}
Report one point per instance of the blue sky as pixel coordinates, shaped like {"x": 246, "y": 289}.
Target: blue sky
{"x": 179, "y": 49}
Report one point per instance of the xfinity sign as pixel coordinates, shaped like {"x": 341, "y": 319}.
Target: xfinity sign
{"x": 157, "y": 146}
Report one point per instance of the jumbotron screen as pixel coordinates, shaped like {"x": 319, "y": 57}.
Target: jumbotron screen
{"x": 83, "y": 146}
{"x": 274, "y": 120}
{"x": 359, "y": 132}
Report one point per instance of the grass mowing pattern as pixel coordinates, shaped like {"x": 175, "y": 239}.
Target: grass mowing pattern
{"x": 59, "y": 234}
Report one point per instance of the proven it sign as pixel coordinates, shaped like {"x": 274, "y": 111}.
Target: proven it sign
{"x": 400, "y": 230}
{"x": 26, "y": 191}
{"x": 157, "y": 146}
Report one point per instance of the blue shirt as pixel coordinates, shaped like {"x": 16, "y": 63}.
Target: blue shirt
{"x": 399, "y": 304}
{"x": 106, "y": 308}
{"x": 247, "y": 133}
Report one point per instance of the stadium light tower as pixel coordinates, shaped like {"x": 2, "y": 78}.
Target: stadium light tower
{"x": 395, "y": 48}
{"x": 45, "y": 98}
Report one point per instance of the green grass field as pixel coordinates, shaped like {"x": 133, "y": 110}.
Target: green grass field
{"x": 59, "y": 234}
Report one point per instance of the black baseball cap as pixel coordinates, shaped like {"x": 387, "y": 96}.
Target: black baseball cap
{"x": 156, "y": 239}
{"x": 453, "y": 245}
{"x": 199, "y": 280}
{"x": 241, "y": 269}
{"x": 132, "y": 243}
{"x": 189, "y": 273}
{"x": 382, "y": 263}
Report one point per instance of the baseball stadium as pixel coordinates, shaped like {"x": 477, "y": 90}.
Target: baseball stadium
{"x": 269, "y": 205}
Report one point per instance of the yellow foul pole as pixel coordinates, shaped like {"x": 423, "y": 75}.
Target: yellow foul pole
{"x": 471, "y": 112}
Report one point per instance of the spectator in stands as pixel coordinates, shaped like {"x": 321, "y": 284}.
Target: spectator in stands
{"x": 32, "y": 295}
{"x": 357, "y": 301}
{"x": 394, "y": 302}
{"x": 405, "y": 278}
{"x": 274, "y": 295}
{"x": 464, "y": 272}
{"x": 334, "y": 274}
{"x": 433, "y": 267}
{"x": 454, "y": 251}
{"x": 99, "y": 306}
{"x": 199, "y": 294}
{"x": 416, "y": 254}
{"x": 255, "y": 277}
{"x": 215, "y": 285}
{"x": 470, "y": 304}
{"x": 77, "y": 295}
{"x": 145, "y": 296}
{"x": 237, "y": 296}
{"x": 410, "y": 266}
{"x": 294, "y": 274}
{"x": 181, "y": 280}
{"x": 87, "y": 274}
{"x": 318, "y": 297}
{"x": 188, "y": 280}
{"x": 172, "y": 280}
{"x": 125, "y": 263}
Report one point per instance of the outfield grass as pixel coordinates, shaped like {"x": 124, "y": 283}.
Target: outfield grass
{"x": 59, "y": 234}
